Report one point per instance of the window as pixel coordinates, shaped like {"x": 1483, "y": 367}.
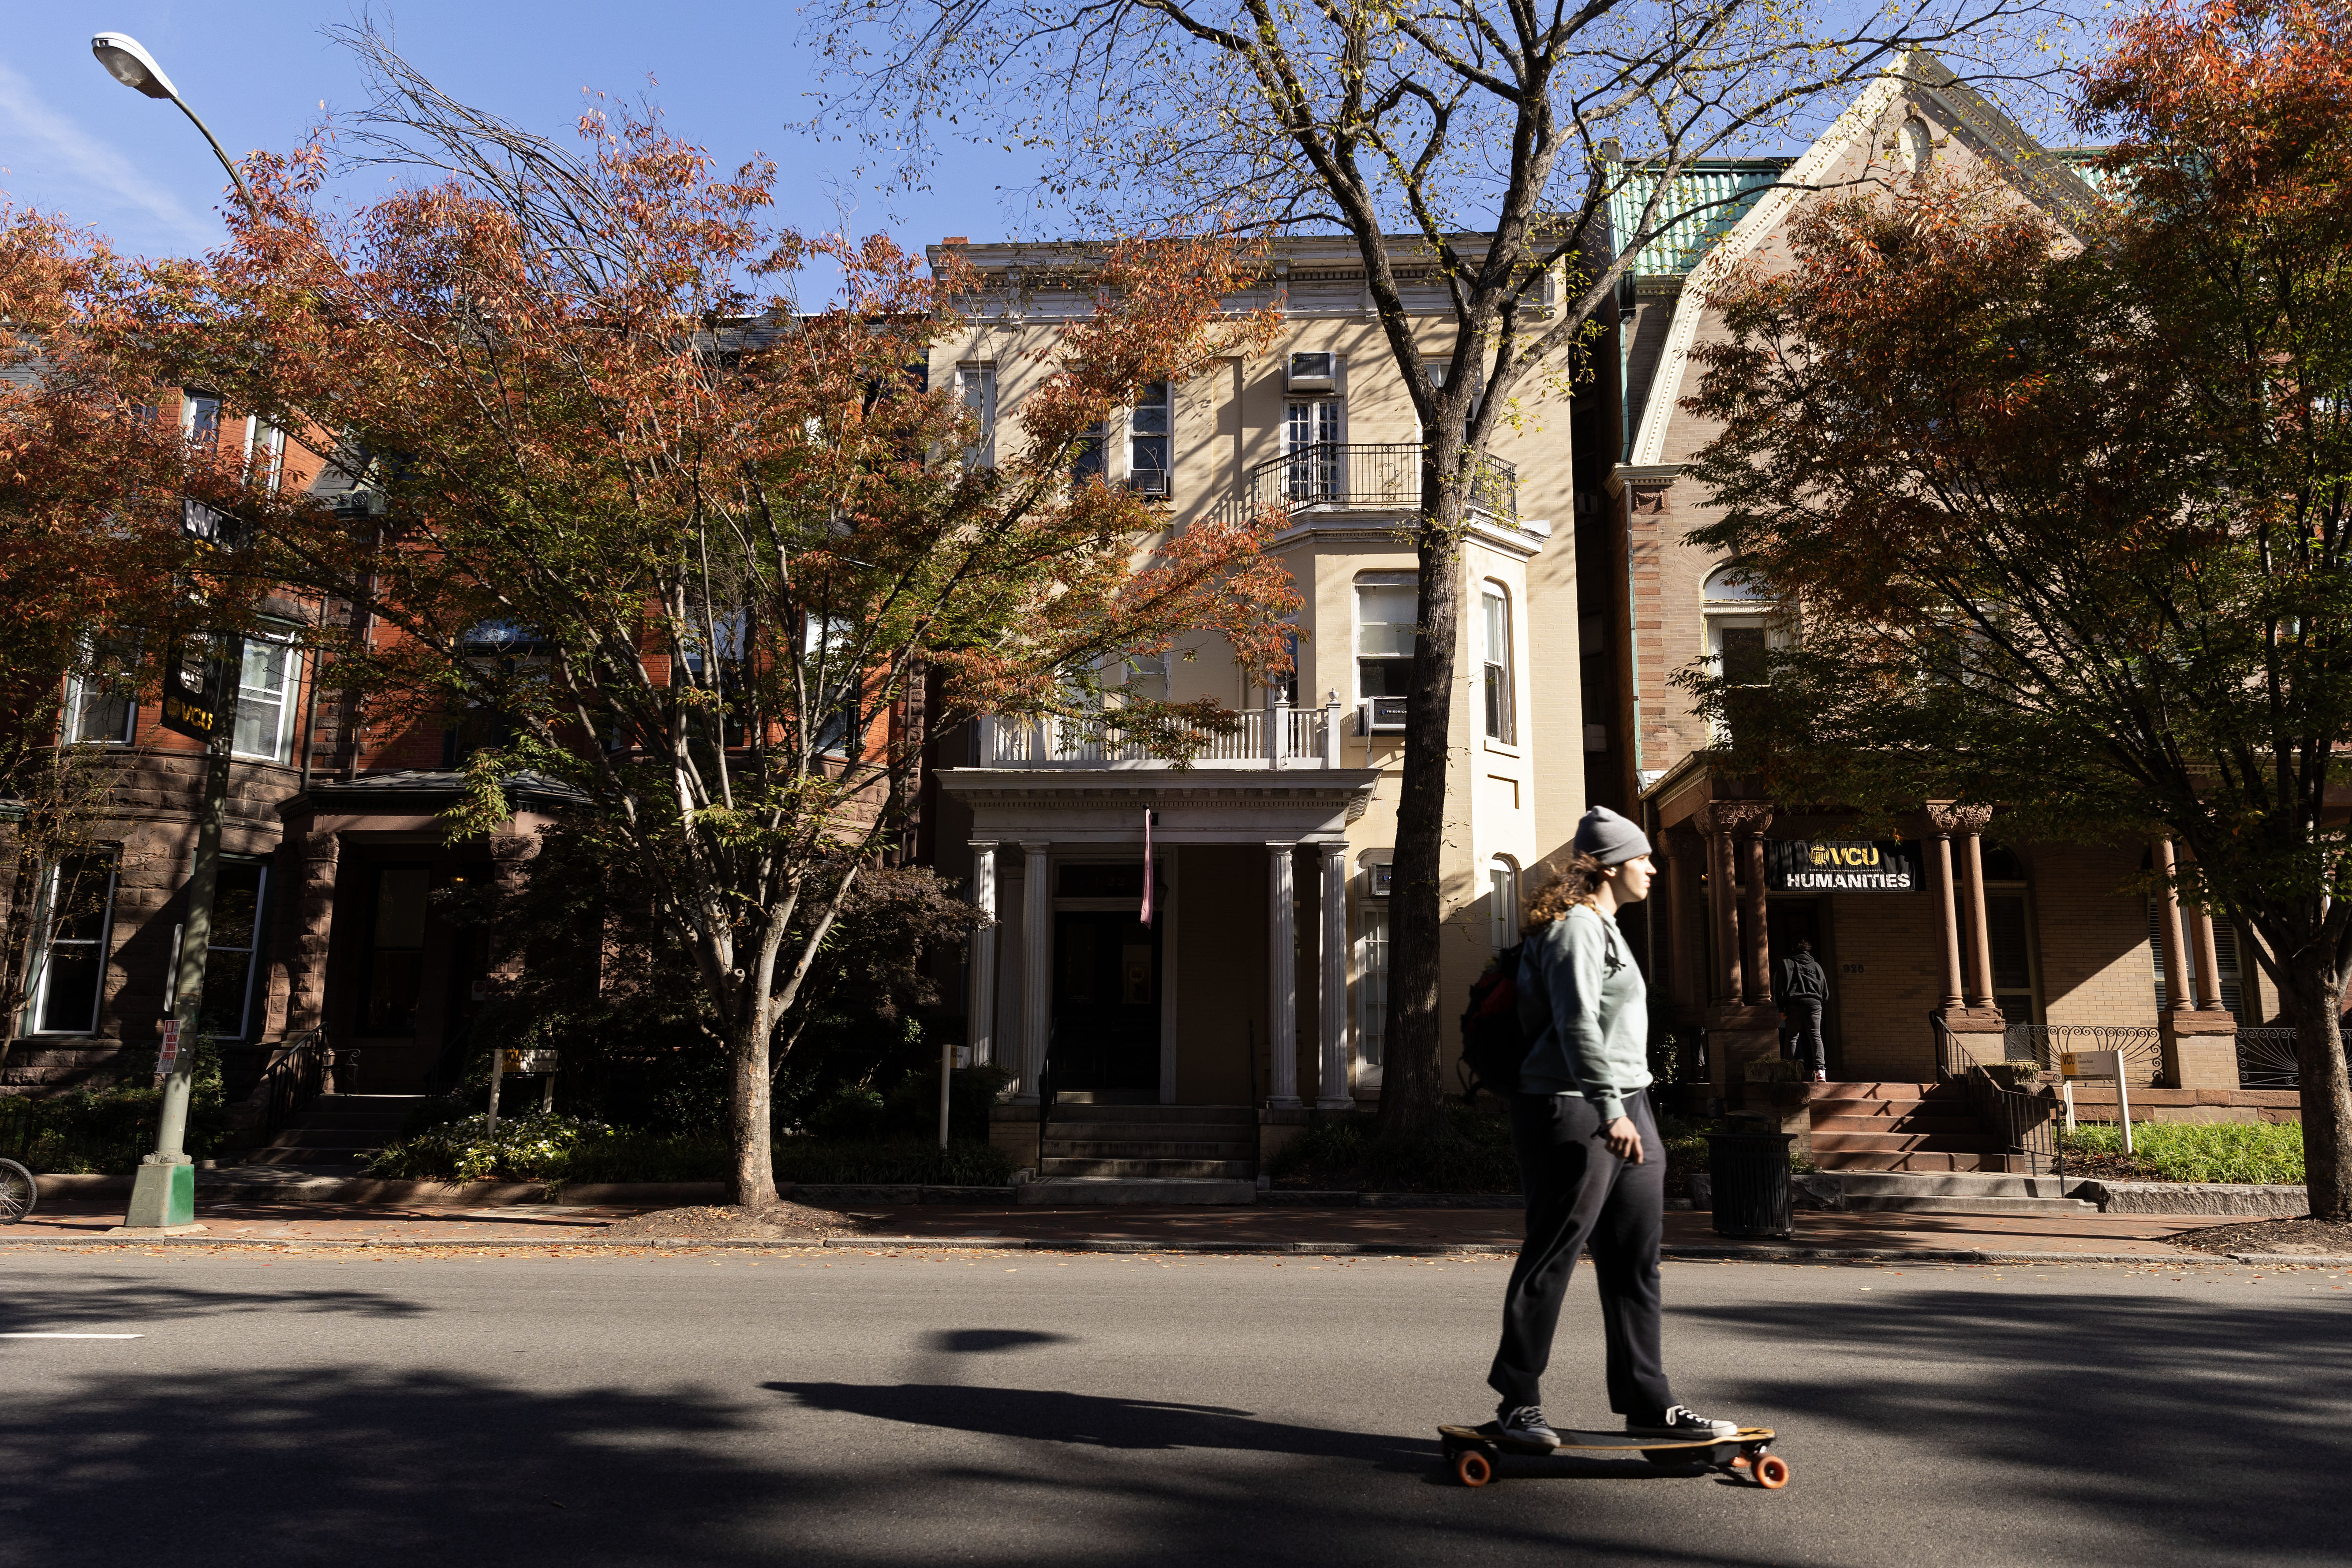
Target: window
{"x": 976, "y": 390}
{"x": 1495, "y": 621}
{"x": 1373, "y": 985}
{"x": 1311, "y": 437}
{"x": 1917, "y": 146}
{"x": 100, "y": 704}
{"x": 1149, "y": 428}
{"x": 1145, "y": 676}
{"x": 1388, "y": 618}
{"x": 200, "y": 418}
{"x": 231, "y": 970}
{"x": 265, "y": 700}
{"x": 395, "y": 959}
{"x": 1088, "y": 459}
{"x": 1502, "y": 903}
{"x": 81, "y": 922}
{"x": 273, "y": 456}
{"x": 825, "y": 651}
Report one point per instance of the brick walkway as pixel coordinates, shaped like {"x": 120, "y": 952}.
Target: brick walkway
{"x": 246, "y": 1221}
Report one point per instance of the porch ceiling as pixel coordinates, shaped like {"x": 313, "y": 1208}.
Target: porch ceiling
{"x": 1196, "y": 806}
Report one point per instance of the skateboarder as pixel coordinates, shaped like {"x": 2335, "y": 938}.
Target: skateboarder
{"x": 1804, "y": 987}
{"x": 1587, "y": 1145}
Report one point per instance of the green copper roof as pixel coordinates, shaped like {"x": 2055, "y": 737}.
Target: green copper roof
{"x": 1698, "y": 207}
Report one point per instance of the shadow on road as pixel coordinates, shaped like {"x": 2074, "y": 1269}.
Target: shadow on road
{"x": 130, "y": 1302}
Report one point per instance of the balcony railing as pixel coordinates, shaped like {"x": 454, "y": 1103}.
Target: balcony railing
{"x": 1366, "y": 477}
{"x": 1278, "y": 737}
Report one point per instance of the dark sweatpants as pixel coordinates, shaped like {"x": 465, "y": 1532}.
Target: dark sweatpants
{"x": 1578, "y": 1196}
{"x": 1802, "y": 1022}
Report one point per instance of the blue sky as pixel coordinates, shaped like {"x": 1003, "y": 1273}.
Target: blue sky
{"x": 730, "y": 77}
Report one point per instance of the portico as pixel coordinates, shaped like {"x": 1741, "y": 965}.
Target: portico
{"x": 1237, "y": 991}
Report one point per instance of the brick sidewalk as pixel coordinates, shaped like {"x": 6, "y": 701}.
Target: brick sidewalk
{"x": 247, "y": 1220}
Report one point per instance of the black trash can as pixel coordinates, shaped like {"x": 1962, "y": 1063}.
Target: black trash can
{"x": 1750, "y": 1173}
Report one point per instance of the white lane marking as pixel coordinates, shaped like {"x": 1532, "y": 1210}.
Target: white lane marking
{"x": 72, "y": 1336}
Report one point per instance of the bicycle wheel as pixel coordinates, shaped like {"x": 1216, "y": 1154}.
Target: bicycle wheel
{"x": 18, "y": 1193}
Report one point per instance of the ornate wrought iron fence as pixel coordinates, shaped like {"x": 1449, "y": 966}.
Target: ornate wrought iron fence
{"x": 2266, "y": 1059}
{"x": 2142, "y": 1045}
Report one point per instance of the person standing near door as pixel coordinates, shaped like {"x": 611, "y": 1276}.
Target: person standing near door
{"x": 1590, "y": 1156}
{"x": 1804, "y": 989}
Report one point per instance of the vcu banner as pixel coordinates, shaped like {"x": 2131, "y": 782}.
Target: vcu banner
{"x": 1841, "y": 865}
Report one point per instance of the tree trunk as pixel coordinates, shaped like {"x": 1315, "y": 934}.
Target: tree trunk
{"x": 1412, "y": 1081}
{"x": 2315, "y": 1007}
{"x": 752, "y": 1181}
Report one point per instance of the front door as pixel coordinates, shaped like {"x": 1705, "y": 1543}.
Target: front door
{"x": 1106, "y": 1003}
{"x": 1786, "y": 920}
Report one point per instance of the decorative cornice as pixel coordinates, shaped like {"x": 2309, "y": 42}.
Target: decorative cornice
{"x": 1738, "y": 818}
{"x": 1951, "y": 817}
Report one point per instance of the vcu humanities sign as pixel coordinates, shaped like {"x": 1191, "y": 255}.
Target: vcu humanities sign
{"x": 1841, "y": 865}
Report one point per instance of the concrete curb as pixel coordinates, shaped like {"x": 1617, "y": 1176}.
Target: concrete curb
{"x": 2250, "y": 1199}
{"x": 890, "y": 1244}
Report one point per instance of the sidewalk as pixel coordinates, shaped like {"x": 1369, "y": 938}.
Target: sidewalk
{"x": 71, "y": 1220}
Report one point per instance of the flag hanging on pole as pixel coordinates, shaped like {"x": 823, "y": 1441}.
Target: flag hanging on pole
{"x": 1147, "y": 877}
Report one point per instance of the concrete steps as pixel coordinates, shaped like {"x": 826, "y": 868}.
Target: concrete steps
{"x": 337, "y": 1130}
{"x": 1899, "y": 1127}
{"x": 1949, "y": 1193}
{"x": 1132, "y": 1143}
{"x": 1072, "y": 1191}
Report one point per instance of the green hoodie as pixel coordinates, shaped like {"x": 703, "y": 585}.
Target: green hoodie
{"x": 1585, "y": 1009}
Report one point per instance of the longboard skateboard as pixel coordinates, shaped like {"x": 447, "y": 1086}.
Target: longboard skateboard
{"x": 1475, "y": 1453}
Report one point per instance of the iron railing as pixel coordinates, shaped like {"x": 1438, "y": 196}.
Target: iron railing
{"x": 2026, "y": 1124}
{"x": 1371, "y": 477}
{"x": 2266, "y": 1059}
{"x": 294, "y": 1077}
{"x": 2142, "y": 1046}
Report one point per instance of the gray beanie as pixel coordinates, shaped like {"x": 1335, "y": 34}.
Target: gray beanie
{"x": 1609, "y": 838}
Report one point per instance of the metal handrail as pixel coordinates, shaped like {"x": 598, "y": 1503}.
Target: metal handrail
{"x": 294, "y": 1077}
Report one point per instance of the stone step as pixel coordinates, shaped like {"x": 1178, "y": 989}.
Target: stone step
{"x": 1978, "y": 1183}
{"x": 1147, "y": 1149}
{"x": 300, "y": 1137}
{"x": 308, "y": 1154}
{"x": 1931, "y": 1205}
{"x": 1899, "y": 1143}
{"x": 1113, "y": 1190}
{"x": 1224, "y": 1115}
{"x": 1091, "y": 1131}
{"x": 1878, "y": 1110}
{"x": 1237, "y": 1170}
{"x": 1914, "y": 1160}
{"x": 350, "y": 1121}
{"x": 1929, "y": 1125}
{"x": 403, "y": 1104}
{"x": 1871, "y": 1088}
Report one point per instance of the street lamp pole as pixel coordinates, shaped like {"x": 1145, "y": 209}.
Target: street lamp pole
{"x": 163, "y": 1189}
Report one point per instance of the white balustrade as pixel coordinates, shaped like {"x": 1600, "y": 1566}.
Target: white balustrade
{"x": 1044, "y": 741}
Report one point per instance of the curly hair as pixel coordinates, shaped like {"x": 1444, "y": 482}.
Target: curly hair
{"x": 1579, "y": 881}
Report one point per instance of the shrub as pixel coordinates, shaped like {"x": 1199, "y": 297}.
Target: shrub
{"x": 1473, "y": 1155}
{"x": 109, "y": 1129}
{"x": 559, "y": 1149}
{"x": 540, "y": 1146}
{"x": 2267, "y": 1152}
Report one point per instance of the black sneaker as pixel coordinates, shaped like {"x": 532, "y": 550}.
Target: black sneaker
{"x": 1525, "y": 1424}
{"x": 1680, "y": 1422}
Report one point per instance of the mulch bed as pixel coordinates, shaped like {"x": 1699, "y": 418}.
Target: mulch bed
{"x": 2116, "y": 1167}
{"x": 2332, "y": 1237}
{"x": 734, "y": 1222}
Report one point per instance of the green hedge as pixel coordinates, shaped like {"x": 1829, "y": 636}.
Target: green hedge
{"x": 2267, "y": 1152}
{"x": 106, "y": 1130}
{"x": 1345, "y": 1153}
{"x": 564, "y": 1149}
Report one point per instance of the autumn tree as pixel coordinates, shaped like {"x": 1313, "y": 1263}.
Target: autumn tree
{"x": 1474, "y": 141}
{"x": 2069, "y": 525}
{"x": 719, "y": 564}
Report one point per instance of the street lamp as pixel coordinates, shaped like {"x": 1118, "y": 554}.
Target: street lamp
{"x": 128, "y": 62}
{"x": 163, "y": 1189}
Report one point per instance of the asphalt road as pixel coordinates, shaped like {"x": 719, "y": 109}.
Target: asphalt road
{"x": 716, "y": 1410}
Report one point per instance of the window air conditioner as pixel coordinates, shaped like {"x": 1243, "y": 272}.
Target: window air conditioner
{"x": 1314, "y": 372}
{"x": 1384, "y": 716}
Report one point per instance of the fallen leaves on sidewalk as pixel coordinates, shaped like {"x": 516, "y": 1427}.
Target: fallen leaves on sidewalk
{"x": 733, "y": 1222}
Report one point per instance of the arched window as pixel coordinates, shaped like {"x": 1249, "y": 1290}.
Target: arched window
{"x": 1738, "y": 609}
{"x": 1731, "y": 583}
{"x": 1495, "y": 628}
{"x": 1502, "y": 902}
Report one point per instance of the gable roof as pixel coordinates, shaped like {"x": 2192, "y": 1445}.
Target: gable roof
{"x": 2054, "y": 180}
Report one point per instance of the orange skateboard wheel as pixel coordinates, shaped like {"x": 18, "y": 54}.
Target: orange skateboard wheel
{"x": 1472, "y": 1469}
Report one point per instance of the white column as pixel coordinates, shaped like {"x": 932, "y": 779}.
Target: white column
{"x": 1331, "y": 1092}
{"x": 1282, "y": 977}
{"x": 979, "y": 1001}
{"x": 1037, "y": 979}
